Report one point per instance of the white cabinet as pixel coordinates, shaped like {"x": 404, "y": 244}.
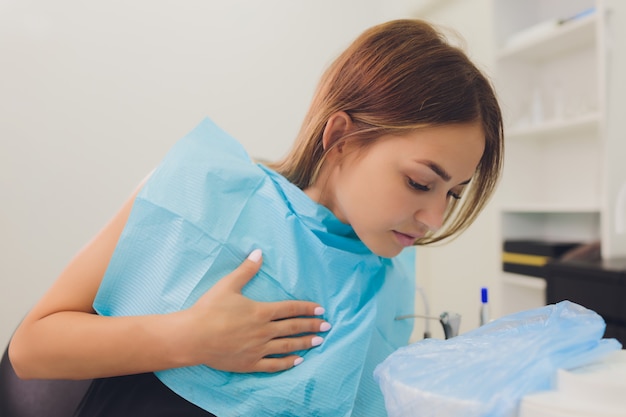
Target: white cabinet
{"x": 562, "y": 175}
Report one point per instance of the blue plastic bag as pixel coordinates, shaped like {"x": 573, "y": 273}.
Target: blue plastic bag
{"x": 487, "y": 371}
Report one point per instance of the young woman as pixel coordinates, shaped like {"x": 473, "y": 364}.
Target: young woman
{"x": 402, "y": 145}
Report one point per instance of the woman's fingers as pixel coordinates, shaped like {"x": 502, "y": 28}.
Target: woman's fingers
{"x": 294, "y": 308}
{"x": 238, "y": 279}
{"x": 270, "y": 365}
{"x": 297, "y": 326}
{"x": 286, "y": 346}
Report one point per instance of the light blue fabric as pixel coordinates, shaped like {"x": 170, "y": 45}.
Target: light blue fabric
{"x": 199, "y": 215}
{"x": 487, "y": 371}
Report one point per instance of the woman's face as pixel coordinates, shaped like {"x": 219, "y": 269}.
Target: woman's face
{"x": 398, "y": 188}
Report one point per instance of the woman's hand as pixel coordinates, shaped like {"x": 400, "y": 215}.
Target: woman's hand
{"x": 227, "y": 331}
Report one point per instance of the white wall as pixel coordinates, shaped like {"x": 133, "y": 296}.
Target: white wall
{"x": 93, "y": 94}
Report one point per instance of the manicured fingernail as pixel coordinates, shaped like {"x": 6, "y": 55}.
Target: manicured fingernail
{"x": 316, "y": 341}
{"x": 324, "y": 327}
{"x": 298, "y": 361}
{"x": 255, "y": 255}
{"x": 319, "y": 311}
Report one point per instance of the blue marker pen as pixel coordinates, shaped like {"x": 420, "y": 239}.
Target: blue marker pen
{"x": 484, "y": 306}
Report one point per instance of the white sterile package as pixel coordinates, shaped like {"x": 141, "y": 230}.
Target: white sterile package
{"x": 487, "y": 371}
{"x": 594, "y": 390}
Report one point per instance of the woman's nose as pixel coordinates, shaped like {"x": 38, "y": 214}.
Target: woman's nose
{"x": 432, "y": 212}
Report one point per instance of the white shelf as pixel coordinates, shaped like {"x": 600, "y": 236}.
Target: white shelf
{"x": 551, "y": 83}
{"x": 524, "y": 281}
{"x": 556, "y": 128}
{"x": 526, "y": 207}
{"x": 563, "y": 132}
{"x": 550, "y": 39}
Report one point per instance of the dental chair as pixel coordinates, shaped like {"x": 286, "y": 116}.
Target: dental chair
{"x": 37, "y": 397}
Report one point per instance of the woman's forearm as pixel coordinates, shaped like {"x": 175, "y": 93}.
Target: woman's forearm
{"x": 79, "y": 345}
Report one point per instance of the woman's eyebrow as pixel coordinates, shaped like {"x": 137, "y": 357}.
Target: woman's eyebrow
{"x": 437, "y": 169}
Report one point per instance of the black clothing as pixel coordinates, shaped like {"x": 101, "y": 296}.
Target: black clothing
{"x": 135, "y": 396}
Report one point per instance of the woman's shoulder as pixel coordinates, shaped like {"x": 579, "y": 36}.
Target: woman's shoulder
{"x": 205, "y": 163}
{"x": 208, "y": 142}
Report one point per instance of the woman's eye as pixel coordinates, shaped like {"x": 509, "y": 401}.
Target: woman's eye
{"x": 417, "y": 186}
{"x": 454, "y": 195}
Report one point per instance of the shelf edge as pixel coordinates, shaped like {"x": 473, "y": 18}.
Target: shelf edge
{"x": 524, "y": 281}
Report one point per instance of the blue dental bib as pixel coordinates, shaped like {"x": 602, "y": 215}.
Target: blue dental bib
{"x": 202, "y": 211}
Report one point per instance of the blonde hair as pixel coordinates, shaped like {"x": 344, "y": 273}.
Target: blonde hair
{"x": 397, "y": 77}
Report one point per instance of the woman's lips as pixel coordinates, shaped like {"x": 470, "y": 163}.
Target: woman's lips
{"x": 404, "y": 239}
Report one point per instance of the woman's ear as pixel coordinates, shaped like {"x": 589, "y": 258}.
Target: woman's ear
{"x": 338, "y": 125}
